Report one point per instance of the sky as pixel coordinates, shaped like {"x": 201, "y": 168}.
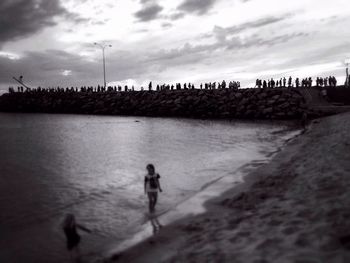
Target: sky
{"x": 51, "y": 42}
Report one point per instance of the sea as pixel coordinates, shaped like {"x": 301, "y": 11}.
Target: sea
{"x": 94, "y": 167}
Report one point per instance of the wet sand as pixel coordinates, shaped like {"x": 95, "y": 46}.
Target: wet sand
{"x": 296, "y": 208}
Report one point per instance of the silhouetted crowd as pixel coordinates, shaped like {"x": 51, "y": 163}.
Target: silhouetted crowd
{"x": 290, "y": 82}
{"x": 126, "y": 88}
{"x": 330, "y": 81}
{"x": 188, "y": 86}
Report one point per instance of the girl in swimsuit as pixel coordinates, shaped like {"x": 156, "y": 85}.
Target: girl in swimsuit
{"x": 152, "y": 186}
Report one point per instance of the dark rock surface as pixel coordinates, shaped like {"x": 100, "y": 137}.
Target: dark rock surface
{"x": 220, "y": 103}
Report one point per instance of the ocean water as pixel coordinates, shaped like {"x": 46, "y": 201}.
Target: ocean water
{"x": 94, "y": 167}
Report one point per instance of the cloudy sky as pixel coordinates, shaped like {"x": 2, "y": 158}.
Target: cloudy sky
{"x": 50, "y": 42}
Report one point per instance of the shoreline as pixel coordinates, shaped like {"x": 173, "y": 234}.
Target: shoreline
{"x": 197, "y": 204}
{"x": 283, "y": 211}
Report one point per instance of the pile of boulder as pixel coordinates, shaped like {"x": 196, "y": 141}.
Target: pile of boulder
{"x": 221, "y": 103}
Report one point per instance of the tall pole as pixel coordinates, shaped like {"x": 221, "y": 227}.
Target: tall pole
{"x": 104, "y": 66}
{"x": 347, "y": 78}
{"x": 103, "y": 46}
{"x": 20, "y": 81}
{"x": 347, "y": 75}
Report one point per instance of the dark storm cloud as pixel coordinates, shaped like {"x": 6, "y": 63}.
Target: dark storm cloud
{"x": 21, "y": 18}
{"x": 199, "y": 7}
{"x": 45, "y": 68}
{"x": 37, "y": 66}
{"x": 149, "y": 11}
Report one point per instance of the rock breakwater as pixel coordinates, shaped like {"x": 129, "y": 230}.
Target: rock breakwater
{"x": 221, "y": 103}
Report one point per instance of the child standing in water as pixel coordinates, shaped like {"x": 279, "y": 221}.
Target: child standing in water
{"x": 70, "y": 227}
{"x": 152, "y": 186}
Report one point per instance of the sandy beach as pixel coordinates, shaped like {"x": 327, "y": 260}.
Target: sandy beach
{"x": 293, "y": 209}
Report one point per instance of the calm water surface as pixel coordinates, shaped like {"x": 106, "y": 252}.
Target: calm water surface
{"x": 94, "y": 167}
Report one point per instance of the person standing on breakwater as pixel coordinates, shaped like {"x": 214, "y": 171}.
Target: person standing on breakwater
{"x": 70, "y": 227}
{"x": 152, "y": 186}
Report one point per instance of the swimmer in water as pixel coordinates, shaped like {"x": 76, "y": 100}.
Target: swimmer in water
{"x": 70, "y": 228}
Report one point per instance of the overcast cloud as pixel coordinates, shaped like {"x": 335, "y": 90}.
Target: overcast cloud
{"x": 199, "y": 7}
{"x": 149, "y": 11}
{"x": 50, "y": 43}
{"x": 19, "y": 19}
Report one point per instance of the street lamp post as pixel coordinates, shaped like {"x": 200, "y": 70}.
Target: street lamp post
{"x": 347, "y": 62}
{"x": 103, "y": 46}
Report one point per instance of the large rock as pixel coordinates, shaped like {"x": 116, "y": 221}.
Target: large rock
{"x": 244, "y": 103}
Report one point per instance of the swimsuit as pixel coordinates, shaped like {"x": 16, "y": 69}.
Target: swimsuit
{"x": 150, "y": 189}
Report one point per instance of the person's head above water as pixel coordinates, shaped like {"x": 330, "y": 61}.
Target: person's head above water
{"x": 150, "y": 168}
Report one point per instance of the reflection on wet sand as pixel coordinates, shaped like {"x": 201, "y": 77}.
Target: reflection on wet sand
{"x": 156, "y": 225}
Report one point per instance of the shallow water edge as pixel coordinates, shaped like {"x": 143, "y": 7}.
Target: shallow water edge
{"x": 197, "y": 204}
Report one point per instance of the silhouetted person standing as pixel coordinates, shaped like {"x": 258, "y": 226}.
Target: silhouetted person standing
{"x": 264, "y": 84}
